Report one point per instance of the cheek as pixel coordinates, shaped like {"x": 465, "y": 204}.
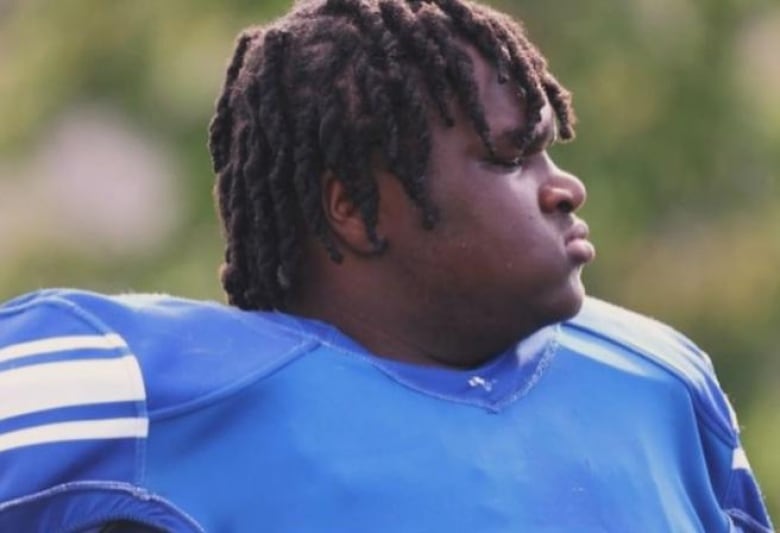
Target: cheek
{"x": 505, "y": 217}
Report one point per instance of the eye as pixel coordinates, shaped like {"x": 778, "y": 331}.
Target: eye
{"x": 506, "y": 165}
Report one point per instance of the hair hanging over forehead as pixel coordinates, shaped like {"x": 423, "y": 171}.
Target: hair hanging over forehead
{"x": 326, "y": 88}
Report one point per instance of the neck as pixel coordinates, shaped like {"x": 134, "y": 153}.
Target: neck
{"x": 417, "y": 332}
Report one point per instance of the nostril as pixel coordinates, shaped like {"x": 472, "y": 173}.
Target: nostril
{"x": 557, "y": 199}
{"x": 565, "y": 206}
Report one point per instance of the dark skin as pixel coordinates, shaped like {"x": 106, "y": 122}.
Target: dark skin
{"x": 503, "y": 261}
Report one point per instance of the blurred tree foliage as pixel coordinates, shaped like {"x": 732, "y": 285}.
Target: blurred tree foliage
{"x": 678, "y": 142}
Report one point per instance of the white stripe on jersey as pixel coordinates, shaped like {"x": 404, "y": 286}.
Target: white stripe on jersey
{"x": 739, "y": 460}
{"x": 61, "y": 344}
{"x": 69, "y": 383}
{"x": 113, "y": 428}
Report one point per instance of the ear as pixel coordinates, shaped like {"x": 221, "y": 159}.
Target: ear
{"x": 345, "y": 219}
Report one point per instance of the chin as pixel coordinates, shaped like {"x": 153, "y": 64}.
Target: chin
{"x": 566, "y": 304}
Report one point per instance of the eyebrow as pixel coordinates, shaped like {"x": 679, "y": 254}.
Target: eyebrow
{"x": 539, "y": 139}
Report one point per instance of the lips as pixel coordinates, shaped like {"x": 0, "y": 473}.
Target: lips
{"x": 578, "y": 247}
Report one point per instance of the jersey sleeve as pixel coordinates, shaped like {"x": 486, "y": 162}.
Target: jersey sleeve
{"x": 743, "y": 501}
{"x": 727, "y": 462}
{"x": 730, "y": 476}
{"x": 73, "y": 422}
{"x": 69, "y": 388}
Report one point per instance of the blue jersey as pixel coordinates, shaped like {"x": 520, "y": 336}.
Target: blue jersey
{"x": 193, "y": 416}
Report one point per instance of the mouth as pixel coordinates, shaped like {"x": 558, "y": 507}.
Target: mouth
{"x": 577, "y": 245}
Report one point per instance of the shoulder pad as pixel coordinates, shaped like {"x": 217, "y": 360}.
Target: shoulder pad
{"x": 189, "y": 351}
{"x": 68, "y": 388}
{"x": 665, "y": 347}
{"x": 81, "y": 376}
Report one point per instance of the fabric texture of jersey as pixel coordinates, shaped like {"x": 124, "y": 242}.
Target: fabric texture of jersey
{"x": 192, "y": 416}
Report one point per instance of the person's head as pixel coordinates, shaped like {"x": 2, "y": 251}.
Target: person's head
{"x": 343, "y": 141}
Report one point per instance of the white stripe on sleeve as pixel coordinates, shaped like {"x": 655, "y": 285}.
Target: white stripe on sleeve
{"x": 739, "y": 460}
{"x": 113, "y": 428}
{"x": 61, "y": 344}
{"x": 69, "y": 383}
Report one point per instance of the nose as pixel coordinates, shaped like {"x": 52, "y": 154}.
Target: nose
{"x": 561, "y": 191}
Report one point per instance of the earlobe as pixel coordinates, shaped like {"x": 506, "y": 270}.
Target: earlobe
{"x": 345, "y": 219}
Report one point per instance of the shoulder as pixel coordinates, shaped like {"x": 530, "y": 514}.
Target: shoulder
{"x": 628, "y": 334}
{"x": 616, "y": 325}
{"x": 216, "y": 347}
{"x": 83, "y": 376}
{"x": 603, "y": 327}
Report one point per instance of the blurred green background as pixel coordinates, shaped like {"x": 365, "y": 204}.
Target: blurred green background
{"x": 105, "y": 179}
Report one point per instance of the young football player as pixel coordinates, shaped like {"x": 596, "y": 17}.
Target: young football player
{"x": 407, "y": 347}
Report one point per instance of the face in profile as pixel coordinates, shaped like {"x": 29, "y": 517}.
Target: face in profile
{"x": 508, "y": 248}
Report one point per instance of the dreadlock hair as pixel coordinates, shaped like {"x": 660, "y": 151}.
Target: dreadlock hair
{"x": 324, "y": 89}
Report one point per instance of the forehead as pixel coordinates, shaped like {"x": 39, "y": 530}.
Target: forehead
{"x": 497, "y": 99}
{"x": 503, "y": 104}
